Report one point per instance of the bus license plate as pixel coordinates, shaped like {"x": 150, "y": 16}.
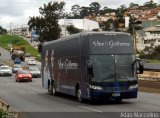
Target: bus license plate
{"x": 115, "y": 94}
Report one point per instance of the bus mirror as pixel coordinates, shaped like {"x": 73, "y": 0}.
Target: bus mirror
{"x": 139, "y": 66}
{"x": 90, "y": 69}
{"x": 89, "y": 65}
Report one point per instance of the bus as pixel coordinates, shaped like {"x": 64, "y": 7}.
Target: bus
{"x": 92, "y": 66}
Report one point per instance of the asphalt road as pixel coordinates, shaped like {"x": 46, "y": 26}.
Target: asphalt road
{"x": 6, "y": 57}
{"x": 34, "y": 101}
{"x": 152, "y": 66}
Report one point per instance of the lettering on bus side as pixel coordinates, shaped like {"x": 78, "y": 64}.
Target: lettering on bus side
{"x": 67, "y": 64}
{"x": 110, "y": 44}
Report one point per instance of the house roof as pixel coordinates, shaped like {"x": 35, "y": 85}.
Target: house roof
{"x": 150, "y": 23}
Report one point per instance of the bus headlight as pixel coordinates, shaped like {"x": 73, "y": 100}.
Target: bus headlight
{"x": 96, "y": 87}
{"x": 133, "y": 86}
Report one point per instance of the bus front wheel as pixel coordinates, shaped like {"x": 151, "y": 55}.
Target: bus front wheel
{"x": 79, "y": 95}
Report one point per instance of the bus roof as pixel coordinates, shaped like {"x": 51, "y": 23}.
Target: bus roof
{"x": 82, "y": 34}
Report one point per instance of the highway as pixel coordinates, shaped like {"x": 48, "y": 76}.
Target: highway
{"x": 30, "y": 98}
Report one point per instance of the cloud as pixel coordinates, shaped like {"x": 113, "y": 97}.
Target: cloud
{"x": 18, "y": 11}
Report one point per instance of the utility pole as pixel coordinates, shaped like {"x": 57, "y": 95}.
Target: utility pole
{"x": 135, "y": 23}
{"x": 10, "y": 27}
{"x": 134, "y": 37}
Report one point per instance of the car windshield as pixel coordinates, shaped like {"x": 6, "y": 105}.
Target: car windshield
{"x": 111, "y": 67}
{"x": 5, "y": 67}
{"x": 31, "y": 60}
{"x": 17, "y": 59}
{"x": 17, "y": 66}
{"x": 24, "y": 72}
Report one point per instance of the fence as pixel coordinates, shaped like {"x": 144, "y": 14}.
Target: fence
{"x": 150, "y": 76}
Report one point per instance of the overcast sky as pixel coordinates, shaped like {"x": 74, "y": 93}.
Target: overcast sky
{"x": 17, "y": 12}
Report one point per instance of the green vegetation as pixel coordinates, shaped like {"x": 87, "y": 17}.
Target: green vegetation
{"x": 154, "y": 61}
{"x": 151, "y": 53}
{"x": 5, "y": 40}
{"x": 72, "y": 30}
{"x": 2, "y": 31}
{"x": 3, "y": 114}
{"x": 46, "y": 25}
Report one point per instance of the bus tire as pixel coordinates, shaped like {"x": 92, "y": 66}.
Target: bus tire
{"x": 79, "y": 95}
{"x": 53, "y": 90}
{"x": 49, "y": 86}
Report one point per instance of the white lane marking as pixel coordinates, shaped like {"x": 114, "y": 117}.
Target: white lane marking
{"x": 91, "y": 109}
{"x": 33, "y": 92}
{"x": 38, "y": 90}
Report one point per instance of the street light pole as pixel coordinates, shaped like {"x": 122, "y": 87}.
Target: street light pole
{"x": 134, "y": 39}
{"x": 10, "y": 27}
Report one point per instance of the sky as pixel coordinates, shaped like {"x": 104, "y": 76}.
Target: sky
{"x": 16, "y": 13}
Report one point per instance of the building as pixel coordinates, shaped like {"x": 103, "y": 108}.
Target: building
{"x": 84, "y": 24}
{"x": 147, "y": 37}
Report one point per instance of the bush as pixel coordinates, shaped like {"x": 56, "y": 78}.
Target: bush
{"x": 3, "y": 114}
{"x": 150, "y": 53}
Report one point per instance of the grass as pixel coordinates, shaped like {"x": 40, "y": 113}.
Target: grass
{"x": 154, "y": 61}
{"x": 5, "y": 40}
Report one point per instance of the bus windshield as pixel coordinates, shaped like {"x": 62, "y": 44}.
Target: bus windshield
{"x": 111, "y": 68}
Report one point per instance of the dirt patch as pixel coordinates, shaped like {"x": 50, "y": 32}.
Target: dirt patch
{"x": 149, "y": 86}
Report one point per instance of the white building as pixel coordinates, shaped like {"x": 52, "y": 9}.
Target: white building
{"x": 84, "y": 24}
{"x": 147, "y": 37}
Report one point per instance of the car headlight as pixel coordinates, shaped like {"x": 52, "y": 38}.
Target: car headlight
{"x": 20, "y": 76}
{"x": 96, "y": 87}
{"x": 133, "y": 86}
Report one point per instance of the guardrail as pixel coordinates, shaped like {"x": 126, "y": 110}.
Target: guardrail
{"x": 8, "y": 63}
{"x": 150, "y": 76}
{"x": 5, "y": 107}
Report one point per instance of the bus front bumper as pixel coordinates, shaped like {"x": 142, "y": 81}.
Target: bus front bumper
{"x": 97, "y": 94}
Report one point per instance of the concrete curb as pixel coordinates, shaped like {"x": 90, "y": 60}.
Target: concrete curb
{"x": 150, "y": 75}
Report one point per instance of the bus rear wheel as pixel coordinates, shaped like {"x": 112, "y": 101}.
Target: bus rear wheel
{"x": 53, "y": 89}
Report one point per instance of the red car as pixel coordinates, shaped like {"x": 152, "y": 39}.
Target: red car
{"x": 23, "y": 75}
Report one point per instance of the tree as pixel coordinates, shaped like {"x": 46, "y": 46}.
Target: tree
{"x": 150, "y": 4}
{"x": 72, "y": 30}
{"x": 107, "y": 25}
{"x": 47, "y": 25}
{"x": 95, "y": 8}
{"x": 76, "y": 9}
{"x": 85, "y": 11}
{"x": 2, "y": 31}
{"x": 134, "y": 25}
{"x": 96, "y": 30}
{"x": 106, "y": 10}
{"x": 157, "y": 51}
{"x": 133, "y": 5}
